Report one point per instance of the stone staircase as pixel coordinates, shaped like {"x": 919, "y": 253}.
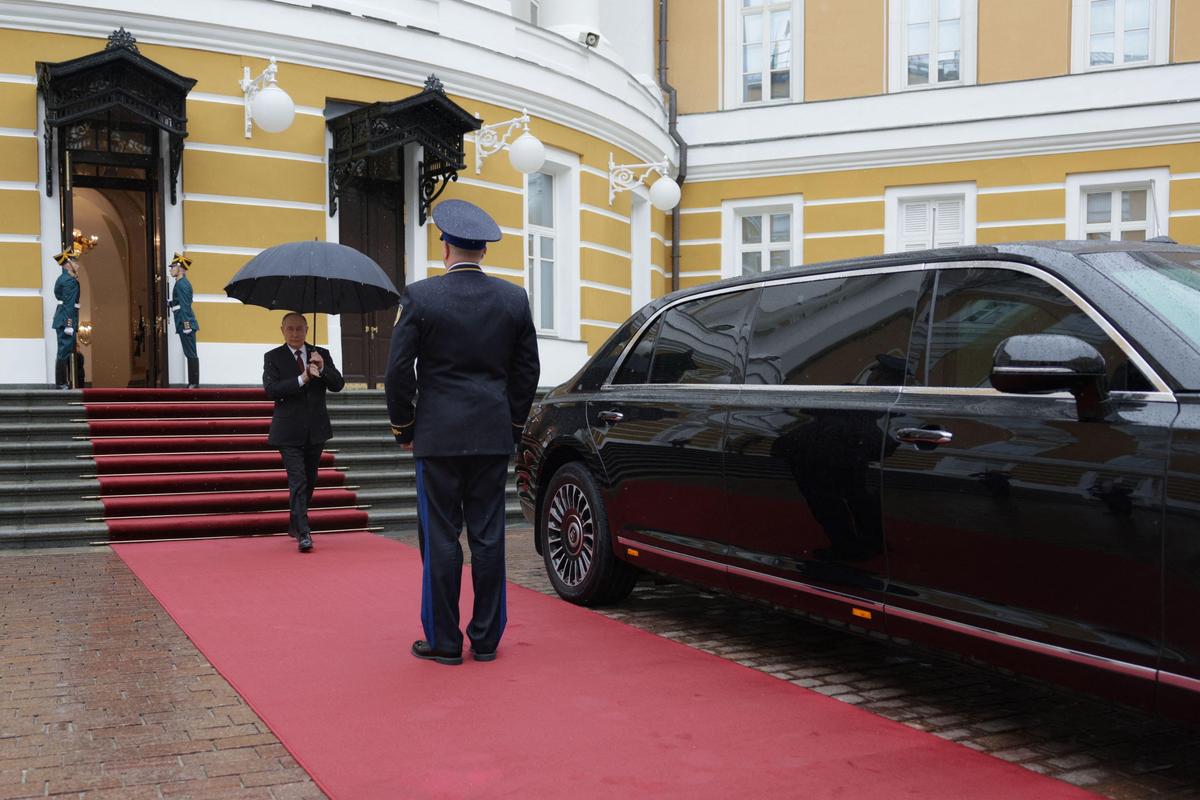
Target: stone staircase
{"x": 49, "y": 494}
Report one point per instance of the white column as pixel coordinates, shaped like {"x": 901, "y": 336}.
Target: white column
{"x": 628, "y": 28}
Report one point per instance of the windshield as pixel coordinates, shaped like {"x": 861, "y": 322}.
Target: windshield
{"x": 1166, "y": 283}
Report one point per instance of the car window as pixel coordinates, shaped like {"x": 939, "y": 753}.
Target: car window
{"x": 636, "y": 366}
{"x": 835, "y": 332}
{"x": 700, "y": 341}
{"x": 974, "y": 309}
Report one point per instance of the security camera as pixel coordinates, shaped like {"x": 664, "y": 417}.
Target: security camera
{"x": 589, "y": 38}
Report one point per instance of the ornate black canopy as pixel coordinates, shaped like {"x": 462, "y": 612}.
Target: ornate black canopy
{"x": 116, "y": 77}
{"x": 368, "y": 142}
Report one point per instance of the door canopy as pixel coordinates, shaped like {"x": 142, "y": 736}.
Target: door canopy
{"x": 368, "y": 143}
{"x": 117, "y": 77}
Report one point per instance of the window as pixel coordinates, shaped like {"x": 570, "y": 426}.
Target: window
{"x": 932, "y": 43}
{"x": 1119, "y": 33}
{"x": 974, "y": 309}
{"x": 700, "y": 341}
{"x": 1129, "y": 205}
{"x": 837, "y": 332}
{"x": 765, "y": 241}
{"x": 540, "y": 250}
{"x": 761, "y": 43}
{"x": 760, "y": 234}
{"x": 636, "y": 366}
{"x": 923, "y": 217}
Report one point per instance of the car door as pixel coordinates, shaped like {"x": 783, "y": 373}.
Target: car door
{"x": 826, "y": 362}
{"x": 659, "y": 430}
{"x": 1009, "y": 521}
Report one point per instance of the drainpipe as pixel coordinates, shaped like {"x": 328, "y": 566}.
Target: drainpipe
{"x": 673, "y": 130}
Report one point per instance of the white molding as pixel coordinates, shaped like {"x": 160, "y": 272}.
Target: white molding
{"x": 1020, "y": 223}
{"x": 603, "y": 248}
{"x": 19, "y": 133}
{"x": 604, "y": 212}
{"x": 216, "y": 298}
{"x": 18, "y": 292}
{"x": 730, "y": 265}
{"x": 516, "y": 273}
{"x": 1160, "y": 37}
{"x": 699, "y": 242}
{"x": 1029, "y": 187}
{"x": 701, "y": 273}
{"x": 895, "y": 195}
{"x": 566, "y": 168}
{"x": 595, "y": 95}
{"x": 18, "y": 186}
{"x": 1185, "y": 212}
{"x": 238, "y": 100}
{"x": 1109, "y": 110}
{"x": 708, "y": 210}
{"x": 520, "y": 234}
{"x": 1186, "y": 176}
{"x": 23, "y": 238}
{"x": 495, "y": 187}
{"x": 596, "y": 172}
{"x": 844, "y": 201}
{"x": 844, "y": 234}
{"x": 1157, "y": 179}
{"x": 26, "y": 80}
{"x": 253, "y": 201}
{"x": 600, "y": 323}
{"x": 731, "y": 58}
{"x": 898, "y": 46}
{"x": 256, "y": 152}
{"x": 221, "y": 249}
{"x": 605, "y": 287}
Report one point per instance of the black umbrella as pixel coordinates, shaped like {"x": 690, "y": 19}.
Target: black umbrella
{"x": 313, "y": 277}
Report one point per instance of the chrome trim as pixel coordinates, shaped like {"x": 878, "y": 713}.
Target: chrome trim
{"x": 749, "y": 573}
{"x": 1064, "y": 653}
{"x": 1034, "y": 370}
{"x": 757, "y": 387}
{"x": 980, "y": 391}
{"x": 1179, "y": 681}
{"x": 1016, "y": 266}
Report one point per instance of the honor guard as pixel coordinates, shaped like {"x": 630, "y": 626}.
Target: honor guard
{"x": 185, "y": 320}
{"x": 462, "y": 372}
{"x": 66, "y": 317}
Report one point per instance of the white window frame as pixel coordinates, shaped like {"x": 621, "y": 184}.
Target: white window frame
{"x": 639, "y": 248}
{"x": 564, "y": 167}
{"x": 898, "y": 49}
{"x": 732, "y": 212}
{"x": 895, "y": 196}
{"x": 1081, "y": 23}
{"x": 733, "y": 56}
{"x": 1156, "y": 181}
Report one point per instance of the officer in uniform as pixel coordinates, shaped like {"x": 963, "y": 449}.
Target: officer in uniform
{"x": 185, "y": 320}
{"x": 462, "y": 372}
{"x": 66, "y": 317}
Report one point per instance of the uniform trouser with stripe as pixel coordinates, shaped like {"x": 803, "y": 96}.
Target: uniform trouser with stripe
{"x": 301, "y": 463}
{"x": 452, "y": 490}
{"x": 66, "y": 344}
{"x": 188, "y": 341}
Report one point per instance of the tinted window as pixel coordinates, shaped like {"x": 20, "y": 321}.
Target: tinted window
{"x": 597, "y": 370}
{"x": 835, "y": 332}
{"x": 636, "y": 366}
{"x": 700, "y": 340}
{"x": 975, "y": 309}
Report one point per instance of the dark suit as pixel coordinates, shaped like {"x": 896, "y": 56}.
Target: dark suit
{"x": 299, "y": 424}
{"x": 472, "y": 340}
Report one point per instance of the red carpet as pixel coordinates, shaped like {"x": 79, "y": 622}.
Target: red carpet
{"x": 175, "y": 463}
{"x": 577, "y": 706}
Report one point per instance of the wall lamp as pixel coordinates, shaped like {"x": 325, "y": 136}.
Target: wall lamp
{"x": 266, "y": 104}
{"x": 526, "y": 154}
{"x": 664, "y": 194}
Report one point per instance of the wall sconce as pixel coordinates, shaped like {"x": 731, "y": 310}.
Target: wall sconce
{"x": 664, "y": 194}
{"x": 526, "y": 154}
{"x": 85, "y": 333}
{"x": 266, "y": 104}
{"x": 80, "y": 244}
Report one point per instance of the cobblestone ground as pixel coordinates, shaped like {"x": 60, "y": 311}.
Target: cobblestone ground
{"x": 101, "y": 695}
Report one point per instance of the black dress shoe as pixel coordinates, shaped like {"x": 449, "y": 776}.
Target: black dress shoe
{"x": 481, "y": 656}
{"x": 421, "y": 649}
{"x": 305, "y": 543}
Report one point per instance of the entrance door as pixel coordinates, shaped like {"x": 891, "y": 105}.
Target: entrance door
{"x": 370, "y": 219}
{"x": 109, "y": 171}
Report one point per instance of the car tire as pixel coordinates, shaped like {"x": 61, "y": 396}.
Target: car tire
{"x": 576, "y": 542}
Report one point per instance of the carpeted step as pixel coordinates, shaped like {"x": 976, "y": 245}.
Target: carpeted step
{"x": 175, "y": 527}
{"x": 175, "y": 395}
{"x": 117, "y": 445}
{"x": 194, "y": 462}
{"x": 155, "y": 483}
{"x": 203, "y": 426}
{"x": 228, "y": 502}
{"x": 151, "y": 410}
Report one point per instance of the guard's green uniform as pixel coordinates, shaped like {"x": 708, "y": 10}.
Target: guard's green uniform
{"x": 185, "y": 321}
{"x": 66, "y": 316}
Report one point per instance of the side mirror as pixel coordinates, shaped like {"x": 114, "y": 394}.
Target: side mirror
{"x": 1043, "y": 363}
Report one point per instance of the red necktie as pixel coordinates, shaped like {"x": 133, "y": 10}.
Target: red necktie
{"x": 299, "y": 363}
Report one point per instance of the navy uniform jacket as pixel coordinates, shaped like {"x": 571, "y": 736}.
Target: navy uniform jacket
{"x": 66, "y": 292}
{"x": 472, "y": 339}
{"x": 300, "y": 414}
{"x": 181, "y": 304}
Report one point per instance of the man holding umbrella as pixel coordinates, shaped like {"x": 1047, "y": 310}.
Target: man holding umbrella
{"x": 472, "y": 340}
{"x": 296, "y": 376}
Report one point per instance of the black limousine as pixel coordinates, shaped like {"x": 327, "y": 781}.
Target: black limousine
{"x": 991, "y": 449}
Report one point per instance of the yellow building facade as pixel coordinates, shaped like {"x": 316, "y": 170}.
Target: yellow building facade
{"x": 811, "y": 130}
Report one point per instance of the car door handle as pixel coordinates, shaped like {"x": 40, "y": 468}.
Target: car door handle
{"x": 610, "y": 416}
{"x": 924, "y": 436}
